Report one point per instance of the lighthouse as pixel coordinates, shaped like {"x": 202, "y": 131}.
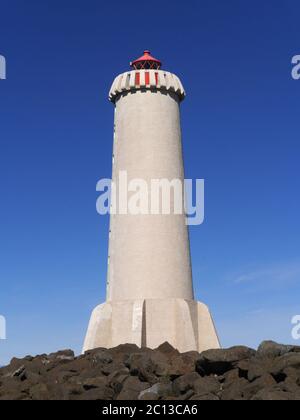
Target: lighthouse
{"x": 150, "y": 296}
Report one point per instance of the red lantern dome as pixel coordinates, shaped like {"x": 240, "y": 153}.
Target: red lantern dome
{"x": 146, "y": 62}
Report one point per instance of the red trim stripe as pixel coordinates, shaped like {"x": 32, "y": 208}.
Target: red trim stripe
{"x": 147, "y": 78}
{"x": 137, "y": 79}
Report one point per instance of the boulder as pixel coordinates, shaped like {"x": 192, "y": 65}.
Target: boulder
{"x": 220, "y": 361}
{"x": 132, "y": 388}
{"x": 281, "y": 364}
{"x": 62, "y": 355}
{"x": 185, "y": 382}
{"x": 264, "y": 382}
{"x": 167, "y": 349}
{"x": 207, "y": 385}
{"x": 160, "y": 389}
{"x": 99, "y": 393}
{"x": 255, "y": 367}
{"x": 235, "y": 390}
{"x": 272, "y": 349}
{"x": 273, "y": 394}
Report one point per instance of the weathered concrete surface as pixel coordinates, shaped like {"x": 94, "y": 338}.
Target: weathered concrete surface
{"x": 185, "y": 324}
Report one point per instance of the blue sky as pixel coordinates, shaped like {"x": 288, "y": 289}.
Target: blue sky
{"x": 240, "y": 125}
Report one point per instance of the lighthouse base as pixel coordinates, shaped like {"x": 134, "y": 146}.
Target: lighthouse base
{"x": 186, "y": 324}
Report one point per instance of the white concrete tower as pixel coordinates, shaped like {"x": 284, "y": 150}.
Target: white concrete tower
{"x": 150, "y": 296}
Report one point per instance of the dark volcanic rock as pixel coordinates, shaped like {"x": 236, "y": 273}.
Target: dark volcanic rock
{"x": 132, "y": 388}
{"x": 272, "y": 349}
{"x": 159, "y": 390}
{"x": 185, "y": 382}
{"x": 221, "y": 361}
{"x": 127, "y": 372}
{"x": 273, "y": 394}
{"x": 285, "y": 362}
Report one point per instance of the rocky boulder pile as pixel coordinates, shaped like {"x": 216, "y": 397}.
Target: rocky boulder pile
{"x": 127, "y": 372}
